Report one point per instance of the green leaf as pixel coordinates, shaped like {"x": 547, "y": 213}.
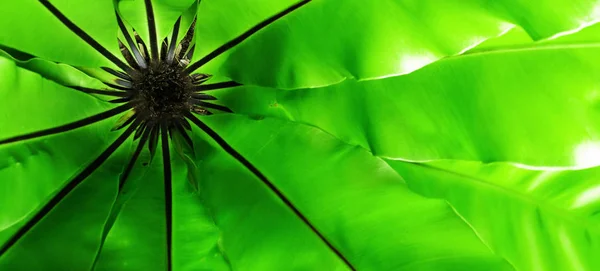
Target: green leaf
{"x": 75, "y": 224}
{"x": 519, "y": 105}
{"x": 136, "y": 240}
{"x": 33, "y": 171}
{"x": 353, "y": 198}
{"x": 30, "y": 27}
{"x": 516, "y": 38}
{"x": 60, "y": 73}
{"x": 518, "y": 85}
{"x": 326, "y": 42}
{"x": 537, "y": 220}
{"x": 165, "y": 14}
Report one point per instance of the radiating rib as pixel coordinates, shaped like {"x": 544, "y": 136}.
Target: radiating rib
{"x": 64, "y": 192}
{"x": 122, "y": 197}
{"x": 85, "y": 37}
{"x": 140, "y": 130}
{"x": 133, "y": 159}
{"x": 186, "y": 124}
{"x": 136, "y": 52}
{"x": 204, "y": 97}
{"x": 125, "y": 120}
{"x": 152, "y": 29}
{"x": 120, "y": 100}
{"x": 153, "y": 141}
{"x": 199, "y": 78}
{"x": 201, "y": 111}
{"x": 213, "y": 106}
{"x": 124, "y": 83}
{"x": 127, "y": 55}
{"x": 187, "y": 40}
{"x": 70, "y": 126}
{"x": 231, "y": 151}
{"x": 163, "y": 49}
{"x": 99, "y": 91}
{"x": 244, "y": 36}
{"x": 142, "y": 47}
{"x": 168, "y": 193}
{"x": 190, "y": 53}
{"x": 214, "y": 86}
{"x": 117, "y": 86}
{"x": 173, "y": 44}
{"x": 16, "y": 54}
{"x": 116, "y": 73}
{"x": 185, "y": 135}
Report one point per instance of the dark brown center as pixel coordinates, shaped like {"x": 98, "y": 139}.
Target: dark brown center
{"x": 162, "y": 92}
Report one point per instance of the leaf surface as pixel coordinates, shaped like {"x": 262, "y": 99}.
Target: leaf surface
{"x": 165, "y": 14}
{"x": 355, "y": 200}
{"x": 326, "y": 42}
{"x": 536, "y": 105}
{"x": 30, "y": 27}
{"x": 537, "y": 220}
{"x": 33, "y": 171}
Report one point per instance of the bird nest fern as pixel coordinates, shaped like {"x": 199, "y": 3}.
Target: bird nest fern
{"x": 298, "y": 135}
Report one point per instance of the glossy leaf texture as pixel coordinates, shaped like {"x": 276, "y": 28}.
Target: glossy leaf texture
{"x": 235, "y": 220}
{"x": 165, "y": 12}
{"x": 60, "y": 73}
{"x": 536, "y": 105}
{"x": 537, "y": 220}
{"x": 32, "y": 171}
{"x": 78, "y": 235}
{"x": 517, "y": 38}
{"x": 129, "y": 245}
{"x": 30, "y": 27}
{"x": 326, "y": 42}
{"x": 359, "y": 203}
{"x": 346, "y": 154}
